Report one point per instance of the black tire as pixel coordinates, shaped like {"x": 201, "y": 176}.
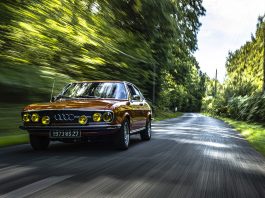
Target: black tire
{"x": 146, "y": 134}
{"x": 39, "y": 142}
{"x": 122, "y": 140}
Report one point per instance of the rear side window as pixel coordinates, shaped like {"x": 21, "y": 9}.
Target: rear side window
{"x": 138, "y": 92}
{"x": 134, "y": 91}
{"x": 131, "y": 90}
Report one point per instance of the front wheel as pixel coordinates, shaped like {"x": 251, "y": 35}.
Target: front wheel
{"x": 146, "y": 133}
{"x": 39, "y": 142}
{"x": 123, "y": 137}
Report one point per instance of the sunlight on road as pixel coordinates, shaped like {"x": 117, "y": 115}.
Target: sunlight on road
{"x": 190, "y": 156}
{"x": 208, "y": 137}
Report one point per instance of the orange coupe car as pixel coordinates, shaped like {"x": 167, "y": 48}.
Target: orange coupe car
{"x": 86, "y": 110}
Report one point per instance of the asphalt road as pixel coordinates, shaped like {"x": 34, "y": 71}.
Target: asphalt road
{"x": 190, "y": 156}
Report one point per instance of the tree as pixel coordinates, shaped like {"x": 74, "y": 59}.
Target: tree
{"x": 92, "y": 39}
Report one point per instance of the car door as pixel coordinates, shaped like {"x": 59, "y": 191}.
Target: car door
{"x": 135, "y": 108}
{"x": 142, "y": 108}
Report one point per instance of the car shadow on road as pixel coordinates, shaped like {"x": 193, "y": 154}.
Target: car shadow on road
{"x": 97, "y": 148}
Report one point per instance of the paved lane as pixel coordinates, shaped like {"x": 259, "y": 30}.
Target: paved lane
{"x": 190, "y": 156}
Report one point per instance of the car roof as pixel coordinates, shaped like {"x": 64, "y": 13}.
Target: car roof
{"x": 104, "y": 81}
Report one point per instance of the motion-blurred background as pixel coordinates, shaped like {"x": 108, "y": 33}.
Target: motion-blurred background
{"x": 147, "y": 42}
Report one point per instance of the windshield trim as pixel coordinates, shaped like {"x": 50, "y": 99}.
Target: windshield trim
{"x": 93, "y": 98}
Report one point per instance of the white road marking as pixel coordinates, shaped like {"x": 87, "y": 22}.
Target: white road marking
{"x": 35, "y": 187}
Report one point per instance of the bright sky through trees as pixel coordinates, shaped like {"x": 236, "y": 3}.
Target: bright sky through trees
{"x": 228, "y": 24}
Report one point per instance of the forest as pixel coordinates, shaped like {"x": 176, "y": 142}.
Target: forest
{"x": 241, "y": 96}
{"x": 147, "y": 42}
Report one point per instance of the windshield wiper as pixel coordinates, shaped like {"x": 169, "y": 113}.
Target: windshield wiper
{"x": 87, "y": 97}
{"x": 62, "y": 97}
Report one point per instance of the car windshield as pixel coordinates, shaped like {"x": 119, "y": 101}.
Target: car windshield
{"x": 94, "y": 90}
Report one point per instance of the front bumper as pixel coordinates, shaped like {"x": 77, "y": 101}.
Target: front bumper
{"x": 89, "y": 130}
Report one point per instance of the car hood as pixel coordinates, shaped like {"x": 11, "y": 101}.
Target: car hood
{"x": 91, "y": 104}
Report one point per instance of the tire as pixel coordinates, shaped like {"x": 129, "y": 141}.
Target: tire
{"x": 122, "y": 140}
{"x": 146, "y": 134}
{"x": 39, "y": 142}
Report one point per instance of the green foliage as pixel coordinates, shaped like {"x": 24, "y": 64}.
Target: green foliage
{"x": 240, "y": 97}
{"x": 70, "y": 40}
{"x": 185, "y": 94}
{"x": 249, "y": 108}
{"x": 10, "y": 119}
{"x": 214, "y": 105}
{"x": 166, "y": 114}
{"x": 245, "y": 65}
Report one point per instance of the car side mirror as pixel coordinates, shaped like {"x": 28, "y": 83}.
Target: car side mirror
{"x": 136, "y": 97}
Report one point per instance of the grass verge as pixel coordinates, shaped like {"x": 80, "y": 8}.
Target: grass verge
{"x": 10, "y": 120}
{"x": 13, "y": 140}
{"x": 162, "y": 115}
{"x": 254, "y": 133}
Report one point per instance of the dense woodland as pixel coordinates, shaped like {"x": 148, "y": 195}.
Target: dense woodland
{"x": 134, "y": 40}
{"x": 241, "y": 96}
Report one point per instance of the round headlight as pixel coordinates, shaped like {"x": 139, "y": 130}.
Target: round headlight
{"x": 82, "y": 119}
{"x": 35, "y": 117}
{"x": 26, "y": 117}
{"x": 107, "y": 116}
{"x": 45, "y": 120}
{"x": 97, "y": 117}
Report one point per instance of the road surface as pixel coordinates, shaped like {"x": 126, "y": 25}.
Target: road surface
{"x": 190, "y": 156}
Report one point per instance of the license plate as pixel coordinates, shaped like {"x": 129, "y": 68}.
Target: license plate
{"x": 65, "y": 133}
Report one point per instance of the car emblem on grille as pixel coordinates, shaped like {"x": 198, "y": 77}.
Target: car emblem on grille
{"x": 65, "y": 117}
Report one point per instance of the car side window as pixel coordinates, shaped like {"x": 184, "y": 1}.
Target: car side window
{"x": 121, "y": 92}
{"x": 138, "y": 92}
{"x": 134, "y": 91}
{"x": 131, "y": 90}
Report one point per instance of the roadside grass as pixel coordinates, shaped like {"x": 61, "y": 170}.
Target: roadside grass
{"x": 254, "y": 133}
{"x": 13, "y": 140}
{"x": 10, "y": 120}
{"x": 162, "y": 115}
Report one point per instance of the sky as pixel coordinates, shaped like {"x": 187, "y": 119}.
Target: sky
{"x": 227, "y": 25}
